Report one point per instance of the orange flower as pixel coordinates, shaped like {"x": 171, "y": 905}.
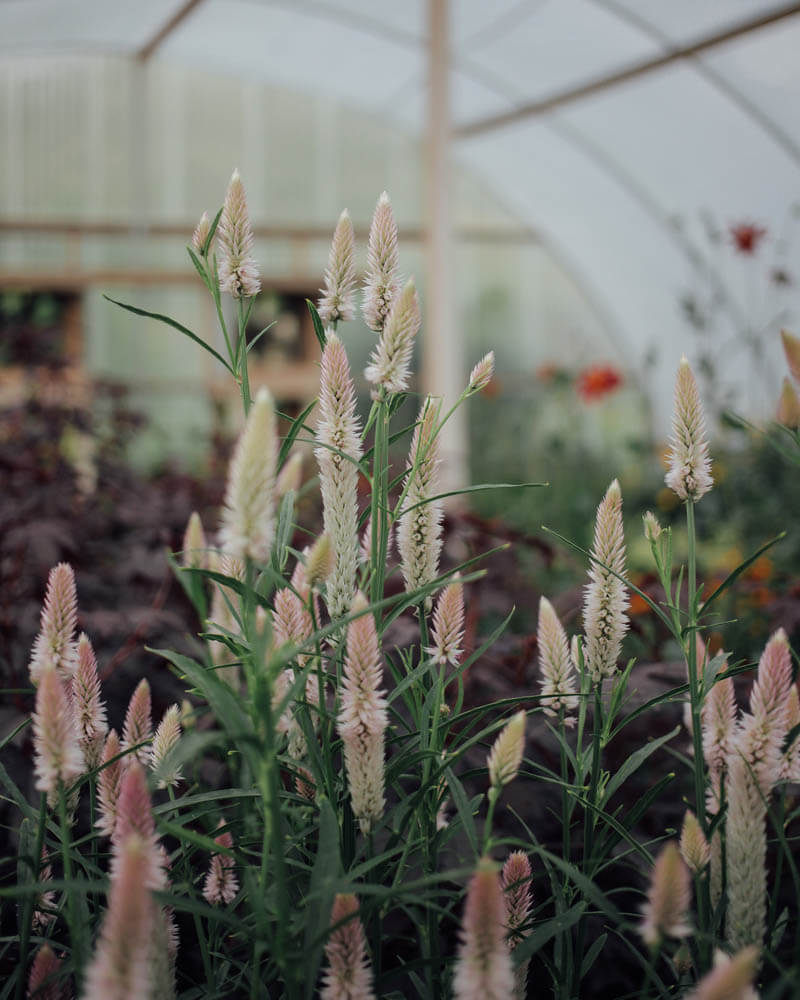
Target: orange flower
{"x": 746, "y": 237}
{"x": 598, "y": 381}
{"x": 761, "y": 569}
{"x": 638, "y": 605}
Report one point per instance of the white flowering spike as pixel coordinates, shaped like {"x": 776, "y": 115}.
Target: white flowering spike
{"x": 668, "y": 900}
{"x": 389, "y": 368}
{"x": 555, "y": 664}
{"x": 689, "y": 465}
{"x": 238, "y": 272}
{"x": 362, "y": 719}
{"x": 695, "y": 850}
{"x": 221, "y": 884}
{"x": 381, "y": 280}
{"x": 55, "y": 644}
{"x": 652, "y": 528}
{"x": 791, "y": 348}
{"x": 336, "y": 299}
{"x": 718, "y": 723}
{"x": 483, "y": 967}
{"x": 481, "y": 374}
{"x": 448, "y": 625}
{"x": 109, "y": 779}
{"x": 320, "y": 561}
{"x": 56, "y": 739}
{"x": 506, "y": 754}
{"x": 606, "y": 600}
{"x": 90, "y": 710}
{"x": 290, "y": 477}
{"x": 200, "y": 234}
{"x": 516, "y": 882}
{"x": 135, "y": 816}
{"x": 338, "y": 437}
{"x": 195, "y": 546}
{"x": 730, "y": 979}
{"x": 249, "y": 512}
{"x": 138, "y": 726}
{"x": 166, "y": 739}
{"x": 419, "y": 532}
{"x": 349, "y": 972}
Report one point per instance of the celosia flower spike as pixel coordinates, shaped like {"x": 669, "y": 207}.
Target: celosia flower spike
{"x": 481, "y": 374}
{"x": 791, "y": 348}
{"x": 381, "y": 281}
{"x": 90, "y": 710}
{"x": 165, "y": 740}
{"x": 55, "y": 644}
{"x": 138, "y": 726}
{"x": 555, "y": 664}
{"x": 718, "y": 721}
{"x": 652, "y": 527}
{"x": 669, "y": 898}
{"x": 135, "y": 816}
{"x": 506, "y": 754}
{"x": 200, "y": 234}
{"x": 43, "y": 981}
{"x": 389, "y": 366}
{"x": 689, "y": 465}
{"x": 336, "y": 301}
{"x": 121, "y": 967}
{"x": 238, "y": 272}
{"x": 788, "y": 412}
{"x": 448, "y": 625}
{"x": 221, "y": 884}
{"x": 109, "y": 779}
{"x": 338, "y": 453}
{"x": 606, "y": 599}
{"x": 516, "y": 882}
{"x": 362, "y": 719}
{"x": 419, "y": 532}
{"x": 195, "y": 546}
{"x": 59, "y": 759}
{"x": 694, "y": 846}
{"x": 483, "y": 968}
{"x": 290, "y": 477}
{"x": 349, "y": 972}
{"x": 320, "y": 561}
{"x": 249, "y": 511}
{"x": 730, "y": 979}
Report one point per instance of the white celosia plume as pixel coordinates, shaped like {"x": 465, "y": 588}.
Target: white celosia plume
{"x": 90, "y": 710}
{"x": 419, "y": 532}
{"x": 165, "y": 740}
{"x": 689, "y": 472}
{"x": 381, "y": 279}
{"x": 730, "y": 979}
{"x": 555, "y": 664}
{"x": 362, "y": 718}
{"x": 507, "y": 752}
{"x": 137, "y": 730}
{"x": 109, "y": 779}
{"x": 668, "y": 900}
{"x": 221, "y": 884}
{"x": 447, "y": 631}
{"x": 55, "y": 643}
{"x": 290, "y": 477}
{"x": 695, "y": 849}
{"x": 791, "y": 349}
{"x": 348, "y": 975}
{"x": 200, "y": 234}
{"x": 516, "y": 882}
{"x": 238, "y": 272}
{"x": 481, "y": 374}
{"x": 483, "y": 967}
{"x": 56, "y": 739}
{"x": 336, "y": 299}
{"x": 195, "y": 546}
{"x": 606, "y": 600}
{"x": 248, "y": 514}
{"x": 389, "y": 368}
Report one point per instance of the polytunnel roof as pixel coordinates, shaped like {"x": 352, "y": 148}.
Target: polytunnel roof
{"x": 596, "y": 122}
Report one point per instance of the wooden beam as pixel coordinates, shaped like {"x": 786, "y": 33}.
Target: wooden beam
{"x": 571, "y": 95}
{"x": 74, "y": 279}
{"x": 166, "y": 30}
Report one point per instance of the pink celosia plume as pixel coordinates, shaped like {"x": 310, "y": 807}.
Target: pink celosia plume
{"x": 336, "y": 298}
{"x": 135, "y": 816}
{"x": 447, "y": 631}
{"x": 165, "y": 740}
{"x": 44, "y": 982}
{"x": 137, "y": 730}
{"x": 689, "y": 472}
{"x": 381, "y": 279}
{"x": 56, "y": 739}
{"x": 516, "y": 882}
{"x": 200, "y": 234}
{"x": 730, "y": 979}
{"x": 389, "y": 368}
{"x": 791, "y": 349}
{"x": 483, "y": 968}
{"x": 348, "y": 975}
{"x": 221, "y": 884}
{"x": 481, "y": 374}
{"x": 90, "y": 710}
{"x": 108, "y": 782}
{"x": 238, "y": 272}
{"x": 555, "y": 664}
{"x": 668, "y": 900}
{"x": 55, "y": 644}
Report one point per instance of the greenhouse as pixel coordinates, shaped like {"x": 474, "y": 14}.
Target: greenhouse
{"x": 400, "y": 587}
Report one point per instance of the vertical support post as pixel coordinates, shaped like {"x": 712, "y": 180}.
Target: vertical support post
{"x": 442, "y": 347}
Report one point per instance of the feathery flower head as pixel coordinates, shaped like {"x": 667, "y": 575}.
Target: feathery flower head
{"x": 695, "y": 849}
{"x": 54, "y": 644}
{"x": 138, "y": 725}
{"x": 389, "y": 366}
{"x": 652, "y": 528}
{"x": 221, "y": 884}
{"x": 166, "y": 739}
{"x": 200, "y": 234}
{"x": 120, "y": 969}
{"x": 381, "y": 280}
{"x": 718, "y": 721}
{"x": 788, "y": 412}
{"x": 90, "y": 710}
{"x": 516, "y": 882}
{"x": 249, "y": 510}
{"x": 483, "y": 968}
{"x": 481, "y": 374}
{"x": 336, "y": 299}
{"x": 349, "y": 972}
{"x": 506, "y": 754}
{"x": 689, "y": 465}
{"x": 791, "y": 348}
{"x": 362, "y": 719}
{"x": 771, "y": 689}
{"x": 606, "y": 599}
{"x": 419, "y": 533}
{"x": 668, "y": 900}
{"x": 195, "y": 546}
{"x": 135, "y": 816}
{"x": 238, "y": 272}
{"x": 59, "y": 758}
{"x": 448, "y": 625}
{"x": 290, "y": 476}
{"x": 555, "y": 664}
{"x": 320, "y": 560}
{"x": 43, "y": 981}
{"x": 109, "y": 779}
{"x": 746, "y": 841}
{"x": 730, "y": 979}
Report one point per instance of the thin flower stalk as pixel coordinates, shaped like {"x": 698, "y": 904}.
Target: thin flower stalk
{"x": 90, "y": 710}
{"x": 606, "y": 600}
{"x": 668, "y": 900}
{"x": 348, "y": 975}
{"x": 558, "y": 681}
{"x": 336, "y": 298}
{"x": 381, "y": 282}
{"x": 137, "y": 730}
{"x": 221, "y": 884}
{"x": 59, "y": 759}
{"x": 483, "y": 967}
{"x": 238, "y": 272}
{"x": 55, "y": 643}
{"x": 389, "y": 368}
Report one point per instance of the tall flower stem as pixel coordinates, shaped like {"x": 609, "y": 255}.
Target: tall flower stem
{"x": 73, "y": 917}
{"x": 241, "y": 347}
{"x": 589, "y": 814}
{"x": 695, "y": 694}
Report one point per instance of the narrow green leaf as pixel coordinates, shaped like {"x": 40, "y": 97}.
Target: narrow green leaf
{"x": 212, "y": 232}
{"x": 734, "y": 574}
{"x": 297, "y": 425}
{"x": 464, "y": 811}
{"x": 259, "y": 335}
{"x": 198, "y": 267}
{"x": 319, "y": 329}
{"x": 542, "y": 934}
{"x": 322, "y": 889}
{"x": 634, "y": 761}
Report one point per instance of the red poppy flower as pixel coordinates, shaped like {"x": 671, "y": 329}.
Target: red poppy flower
{"x": 747, "y": 236}
{"x": 598, "y": 381}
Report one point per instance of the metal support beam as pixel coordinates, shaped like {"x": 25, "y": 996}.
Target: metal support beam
{"x": 163, "y": 33}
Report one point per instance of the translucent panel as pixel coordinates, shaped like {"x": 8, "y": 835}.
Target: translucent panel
{"x": 405, "y": 20}
{"x": 473, "y": 22}
{"x": 688, "y": 20}
{"x": 558, "y": 45}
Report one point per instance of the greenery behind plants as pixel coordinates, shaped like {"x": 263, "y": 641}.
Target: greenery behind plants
{"x": 294, "y": 852}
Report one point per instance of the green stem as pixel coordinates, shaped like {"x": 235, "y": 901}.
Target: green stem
{"x": 695, "y": 694}
{"x": 73, "y": 918}
{"x": 28, "y": 905}
{"x": 494, "y": 795}
{"x": 589, "y": 814}
{"x": 241, "y": 348}
{"x": 380, "y": 501}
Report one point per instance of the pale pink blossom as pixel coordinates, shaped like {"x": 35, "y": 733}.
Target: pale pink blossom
{"x": 790, "y": 765}
{"x": 730, "y": 979}
{"x": 43, "y": 981}
{"x": 505, "y": 757}
{"x": 555, "y": 665}
{"x": 447, "y": 631}
{"x": 689, "y": 472}
{"x": 381, "y": 281}
{"x": 516, "y": 882}
{"x": 670, "y": 895}
{"x": 336, "y": 298}
{"x": 389, "y": 368}
{"x": 695, "y": 849}
{"x": 606, "y": 600}
{"x": 481, "y": 374}
{"x": 195, "y": 546}
{"x": 90, "y": 710}
{"x": 238, "y": 271}
{"x": 109, "y": 778}
{"x": 55, "y": 643}
{"x": 348, "y": 975}
{"x": 221, "y": 884}
{"x": 483, "y": 968}
{"x": 137, "y": 730}
{"x": 791, "y": 348}
{"x": 200, "y": 234}
{"x": 165, "y": 740}
{"x": 56, "y": 740}
{"x": 788, "y": 411}
{"x": 135, "y": 816}
{"x": 290, "y": 476}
